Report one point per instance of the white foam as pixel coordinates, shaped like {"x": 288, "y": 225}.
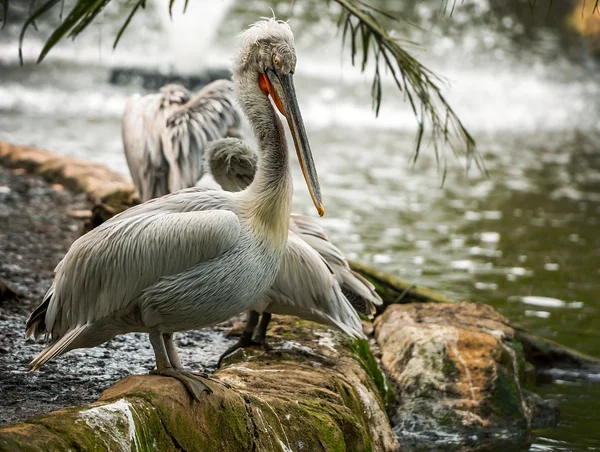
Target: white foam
{"x": 545, "y": 302}
{"x": 106, "y": 418}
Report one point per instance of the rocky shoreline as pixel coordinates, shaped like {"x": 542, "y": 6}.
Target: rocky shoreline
{"x": 442, "y": 374}
{"x": 36, "y": 229}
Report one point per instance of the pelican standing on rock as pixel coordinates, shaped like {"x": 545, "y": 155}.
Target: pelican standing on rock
{"x": 165, "y": 134}
{"x": 196, "y": 257}
{"x": 233, "y": 163}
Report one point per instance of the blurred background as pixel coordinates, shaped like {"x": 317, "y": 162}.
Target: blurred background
{"x": 524, "y": 81}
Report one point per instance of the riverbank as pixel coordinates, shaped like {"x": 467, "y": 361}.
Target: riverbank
{"x": 80, "y": 376}
{"x": 37, "y": 226}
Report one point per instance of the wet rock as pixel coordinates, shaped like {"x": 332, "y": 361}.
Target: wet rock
{"x": 108, "y": 206}
{"x": 313, "y": 391}
{"x": 548, "y": 357}
{"x": 394, "y": 290}
{"x": 8, "y": 294}
{"x": 459, "y": 376}
{"x": 78, "y": 175}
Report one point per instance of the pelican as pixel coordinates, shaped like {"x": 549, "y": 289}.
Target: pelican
{"x": 165, "y": 134}
{"x": 196, "y": 257}
{"x": 233, "y": 163}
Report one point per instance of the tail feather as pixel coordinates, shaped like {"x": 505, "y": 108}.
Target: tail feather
{"x": 360, "y": 304}
{"x": 351, "y": 331}
{"x": 344, "y": 317}
{"x": 36, "y": 323}
{"x": 360, "y": 292}
{"x": 57, "y": 348}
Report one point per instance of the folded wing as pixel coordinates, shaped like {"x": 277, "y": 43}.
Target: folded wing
{"x": 105, "y": 270}
{"x": 360, "y": 292}
{"x": 209, "y": 115}
{"x": 305, "y": 287}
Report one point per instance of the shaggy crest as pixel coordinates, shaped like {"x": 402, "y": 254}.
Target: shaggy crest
{"x": 269, "y": 28}
{"x": 265, "y": 34}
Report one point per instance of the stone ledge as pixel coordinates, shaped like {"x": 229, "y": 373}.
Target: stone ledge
{"x": 96, "y": 180}
{"x": 313, "y": 391}
{"x": 460, "y": 377}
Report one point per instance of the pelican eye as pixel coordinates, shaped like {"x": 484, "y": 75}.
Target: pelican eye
{"x": 277, "y": 60}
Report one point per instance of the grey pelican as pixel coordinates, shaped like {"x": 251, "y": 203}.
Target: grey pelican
{"x": 233, "y": 163}
{"x": 165, "y": 134}
{"x": 196, "y": 257}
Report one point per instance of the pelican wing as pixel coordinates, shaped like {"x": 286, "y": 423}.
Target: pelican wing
{"x": 209, "y": 115}
{"x": 305, "y": 287}
{"x": 143, "y": 126}
{"x": 105, "y": 270}
{"x": 360, "y": 292}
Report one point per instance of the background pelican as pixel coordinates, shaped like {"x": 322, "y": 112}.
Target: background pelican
{"x": 165, "y": 134}
{"x": 196, "y": 257}
{"x": 233, "y": 163}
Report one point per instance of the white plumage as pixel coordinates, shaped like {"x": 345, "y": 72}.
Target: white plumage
{"x": 165, "y": 135}
{"x": 196, "y": 257}
{"x": 314, "y": 281}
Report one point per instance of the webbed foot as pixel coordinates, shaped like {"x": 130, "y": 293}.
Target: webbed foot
{"x": 195, "y": 384}
{"x": 244, "y": 341}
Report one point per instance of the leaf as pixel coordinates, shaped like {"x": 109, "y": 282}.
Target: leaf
{"x": 127, "y": 21}
{"x": 366, "y": 37}
{"x": 5, "y": 12}
{"x": 82, "y": 14}
{"x": 31, "y": 19}
{"x": 31, "y": 3}
{"x": 435, "y": 118}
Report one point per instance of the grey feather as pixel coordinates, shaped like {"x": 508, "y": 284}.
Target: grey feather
{"x": 306, "y": 288}
{"x": 165, "y": 135}
{"x": 189, "y": 259}
{"x": 232, "y": 163}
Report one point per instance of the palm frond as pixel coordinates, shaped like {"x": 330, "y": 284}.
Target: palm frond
{"x": 366, "y": 35}
{"x": 420, "y": 86}
{"x": 4, "y": 4}
{"x": 31, "y": 20}
{"x": 83, "y": 14}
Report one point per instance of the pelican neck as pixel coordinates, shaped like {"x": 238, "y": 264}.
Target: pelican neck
{"x": 269, "y": 197}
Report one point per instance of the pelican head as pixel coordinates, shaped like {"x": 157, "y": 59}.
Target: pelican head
{"x": 265, "y": 64}
{"x": 232, "y": 163}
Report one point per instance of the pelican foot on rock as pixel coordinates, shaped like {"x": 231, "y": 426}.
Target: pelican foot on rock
{"x": 195, "y": 384}
{"x": 244, "y": 341}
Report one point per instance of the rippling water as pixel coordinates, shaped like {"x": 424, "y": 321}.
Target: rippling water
{"x": 525, "y": 239}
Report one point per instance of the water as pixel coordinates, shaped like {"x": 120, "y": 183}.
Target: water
{"x": 525, "y": 239}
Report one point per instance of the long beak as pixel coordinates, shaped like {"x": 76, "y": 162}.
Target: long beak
{"x": 284, "y": 89}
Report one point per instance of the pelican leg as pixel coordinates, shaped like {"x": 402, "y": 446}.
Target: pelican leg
{"x": 246, "y": 337}
{"x": 172, "y": 351}
{"x": 194, "y": 384}
{"x": 261, "y": 333}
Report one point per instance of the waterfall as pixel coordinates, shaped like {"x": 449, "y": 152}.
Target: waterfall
{"x": 191, "y": 33}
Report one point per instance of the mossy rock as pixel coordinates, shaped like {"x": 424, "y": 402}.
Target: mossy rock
{"x": 459, "y": 374}
{"x": 313, "y": 391}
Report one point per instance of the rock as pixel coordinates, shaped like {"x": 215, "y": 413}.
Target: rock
{"x": 153, "y": 80}
{"x": 314, "y": 391}
{"x": 459, "y": 376}
{"x": 8, "y": 294}
{"x": 74, "y": 174}
{"x": 108, "y": 206}
{"x": 80, "y": 214}
{"x": 394, "y": 290}
{"x": 547, "y": 356}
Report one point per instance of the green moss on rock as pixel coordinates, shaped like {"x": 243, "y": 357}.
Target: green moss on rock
{"x": 314, "y": 391}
